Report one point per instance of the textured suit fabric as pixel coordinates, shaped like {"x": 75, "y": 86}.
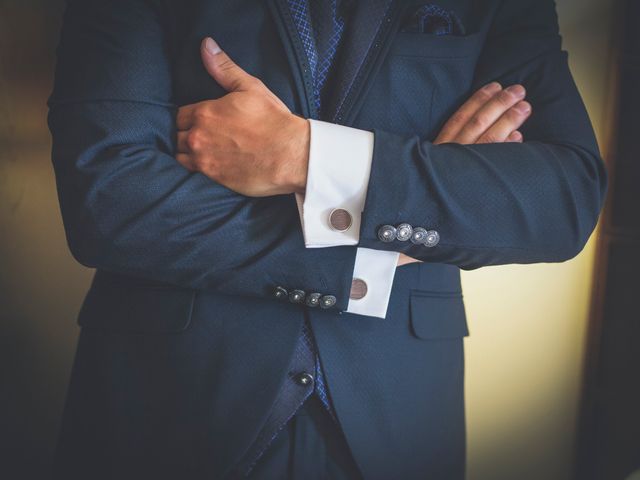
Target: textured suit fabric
{"x": 183, "y": 347}
{"x": 288, "y": 401}
{"x": 309, "y": 448}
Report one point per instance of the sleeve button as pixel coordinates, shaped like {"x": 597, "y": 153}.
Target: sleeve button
{"x": 418, "y": 236}
{"x": 403, "y": 232}
{"x": 327, "y": 301}
{"x": 433, "y": 238}
{"x": 280, "y": 293}
{"x": 313, "y": 299}
{"x": 387, "y": 233}
{"x": 296, "y": 296}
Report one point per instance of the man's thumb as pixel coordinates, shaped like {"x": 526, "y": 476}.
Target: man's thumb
{"x": 223, "y": 70}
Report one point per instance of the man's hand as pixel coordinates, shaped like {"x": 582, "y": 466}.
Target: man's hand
{"x": 491, "y": 115}
{"x": 248, "y": 140}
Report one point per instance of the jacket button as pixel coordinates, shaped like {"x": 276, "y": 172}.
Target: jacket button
{"x": 340, "y": 220}
{"x": 313, "y": 299}
{"x": 359, "y": 289}
{"x": 280, "y": 293}
{"x": 403, "y": 232}
{"x": 387, "y": 233}
{"x": 304, "y": 379}
{"x": 432, "y": 239}
{"x": 418, "y": 236}
{"x": 327, "y": 301}
{"x": 296, "y": 296}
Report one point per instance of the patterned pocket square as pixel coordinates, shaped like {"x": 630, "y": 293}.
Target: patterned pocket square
{"x": 433, "y": 19}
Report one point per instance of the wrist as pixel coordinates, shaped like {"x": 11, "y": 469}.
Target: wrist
{"x": 294, "y": 176}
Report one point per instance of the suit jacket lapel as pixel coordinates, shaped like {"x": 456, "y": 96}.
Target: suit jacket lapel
{"x": 363, "y": 46}
{"x": 367, "y": 27}
{"x": 295, "y": 55}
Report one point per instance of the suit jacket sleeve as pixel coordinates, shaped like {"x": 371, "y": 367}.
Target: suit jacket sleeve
{"x": 499, "y": 203}
{"x": 128, "y": 206}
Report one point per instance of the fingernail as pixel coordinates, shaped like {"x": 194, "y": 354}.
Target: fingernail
{"x": 211, "y": 46}
{"x": 515, "y": 136}
{"x": 517, "y": 90}
{"x": 523, "y": 107}
{"x": 492, "y": 87}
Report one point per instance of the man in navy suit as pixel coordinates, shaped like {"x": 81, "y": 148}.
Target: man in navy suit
{"x": 278, "y": 227}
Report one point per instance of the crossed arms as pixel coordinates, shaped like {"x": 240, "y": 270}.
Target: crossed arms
{"x": 131, "y": 208}
{"x": 250, "y": 142}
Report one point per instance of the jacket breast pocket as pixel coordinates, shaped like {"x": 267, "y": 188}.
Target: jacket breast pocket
{"x": 422, "y": 78}
{"x": 122, "y": 304}
{"x": 438, "y": 315}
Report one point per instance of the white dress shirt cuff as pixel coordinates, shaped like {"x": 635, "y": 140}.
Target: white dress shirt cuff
{"x": 337, "y": 179}
{"x": 377, "y": 269}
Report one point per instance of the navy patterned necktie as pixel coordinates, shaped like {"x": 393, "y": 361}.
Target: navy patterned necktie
{"x": 320, "y": 26}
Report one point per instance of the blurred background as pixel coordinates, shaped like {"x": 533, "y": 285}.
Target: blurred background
{"x": 551, "y": 388}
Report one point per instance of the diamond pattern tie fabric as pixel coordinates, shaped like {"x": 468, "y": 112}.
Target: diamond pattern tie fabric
{"x": 320, "y": 386}
{"x": 320, "y": 27}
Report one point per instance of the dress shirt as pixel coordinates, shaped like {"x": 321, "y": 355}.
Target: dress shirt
{"x": 338, "y": 176}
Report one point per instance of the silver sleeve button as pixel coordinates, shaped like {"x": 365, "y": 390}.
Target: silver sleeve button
{"x": 403, "y": 232}
{"x": 280, "y": 293}
{"x": 387, "y": 233}
{"x": 327, "y": 301}
{"x": 433, "y": 238}
{"x": 296, "y": 296}
{"x": 313, "y": 299}
{"x": 419, "y": 235}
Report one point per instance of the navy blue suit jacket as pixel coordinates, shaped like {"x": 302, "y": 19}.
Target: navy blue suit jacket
{"x": 183, "y": 346}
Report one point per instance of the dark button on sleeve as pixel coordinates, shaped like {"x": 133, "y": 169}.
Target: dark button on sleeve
{"x": 387, "y": 233}
{"x": 313, "y": 299}
{"x": 327, "y": 301}
{"x": 296, "y": 296}
{"x": 280, "y": 293}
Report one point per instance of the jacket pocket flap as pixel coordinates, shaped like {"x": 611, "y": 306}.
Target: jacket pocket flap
{"x": 132, "y": 307}
{"x": 438, "y": 315}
